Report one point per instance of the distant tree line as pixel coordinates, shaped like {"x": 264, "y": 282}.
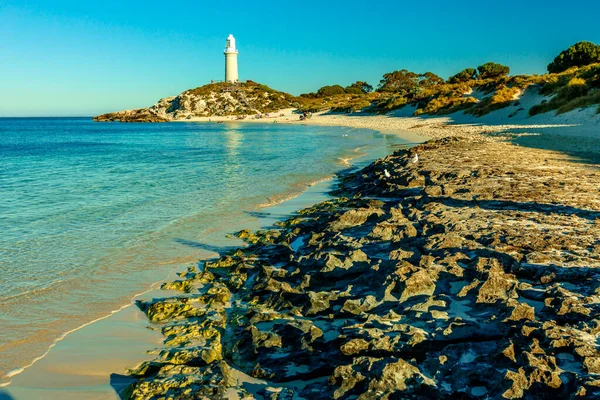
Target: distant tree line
{"x": 409, "y": 84}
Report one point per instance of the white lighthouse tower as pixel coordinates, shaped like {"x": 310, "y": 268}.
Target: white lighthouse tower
{"x": 231, "y": 65}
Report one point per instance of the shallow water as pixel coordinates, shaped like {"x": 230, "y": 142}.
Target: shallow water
{"x": 92, "y": 213}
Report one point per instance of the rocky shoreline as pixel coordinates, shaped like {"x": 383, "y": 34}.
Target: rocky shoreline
{"x": 209, "y": 101}
{"x": 472, "y": 273}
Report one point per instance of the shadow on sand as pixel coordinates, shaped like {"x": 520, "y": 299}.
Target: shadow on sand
{"x": 119, "y": 383}
{"x": 203, "y": 246}
{"x": 258, "y": 214}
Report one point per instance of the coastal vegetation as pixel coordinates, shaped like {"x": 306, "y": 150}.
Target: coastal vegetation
{"x": 571, "y": 89}
{"x": 465, "y": 75}
{"x": 573, "y": 82}
{"x": 492, "y": 70}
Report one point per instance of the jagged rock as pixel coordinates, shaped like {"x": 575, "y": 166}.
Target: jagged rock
{"x": 419, "y": 283}
{"x": 354, "y": 217}
{"x": 319, "y": 301}
{"x": 474, "y": 274}
{"x": 357, "y": 306}
{"x": 396, "y": 377}
{"x": 168, "y": 309}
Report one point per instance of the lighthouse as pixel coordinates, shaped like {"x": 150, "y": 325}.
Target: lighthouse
{"x": 231, "y": 66}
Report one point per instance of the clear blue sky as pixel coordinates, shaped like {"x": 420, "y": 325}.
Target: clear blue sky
{"x": 78, "y": 57}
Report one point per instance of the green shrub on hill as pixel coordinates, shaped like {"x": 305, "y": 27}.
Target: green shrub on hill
{"x": 359, "y": 87}
{"x": 403, "y": 82}
{"x": 353, "y": 105}
{"x": 578, "y": 55}
{"x": 492, "y": 70}
{"x": 207, "y": 89}
{"x": 429, "y": 79}
{"x": 330, "y": 90}
{"x": 465, "y": 75}
{"x": 352, "y": 90}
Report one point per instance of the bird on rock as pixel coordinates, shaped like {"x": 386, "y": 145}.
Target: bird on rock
{"x": 415, "y": 159}
{"x": 386, "y": 173}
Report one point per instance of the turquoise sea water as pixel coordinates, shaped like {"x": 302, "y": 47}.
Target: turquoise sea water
{"x": 93, "y": 213}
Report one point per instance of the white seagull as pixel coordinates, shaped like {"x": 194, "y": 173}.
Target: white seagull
{"x": 415, "y": 159}
{"x": 387, "y": 174}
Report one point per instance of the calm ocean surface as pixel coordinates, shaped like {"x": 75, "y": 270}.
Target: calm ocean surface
{"x": 93, "y": 213}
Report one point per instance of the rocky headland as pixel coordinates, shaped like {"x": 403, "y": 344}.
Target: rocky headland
{"x": 212, "y": 100}
{"x": 472, "y": 273}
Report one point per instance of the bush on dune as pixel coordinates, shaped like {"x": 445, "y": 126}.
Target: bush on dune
{"x": 359, "y": 87}
{"x": 467, "y": 74}
{"x": 555, "y": 83}
{"x": 489, "y": 86}
{"x": 492, "y": 70}
{"x": 356, "y": 104}
{"x": 578, "y": 55}
{"x": 330, "y": 90}
{"x": 428, "y": 80}
{"x": 353, "y": 90}
{"x": 403, "y": 82}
